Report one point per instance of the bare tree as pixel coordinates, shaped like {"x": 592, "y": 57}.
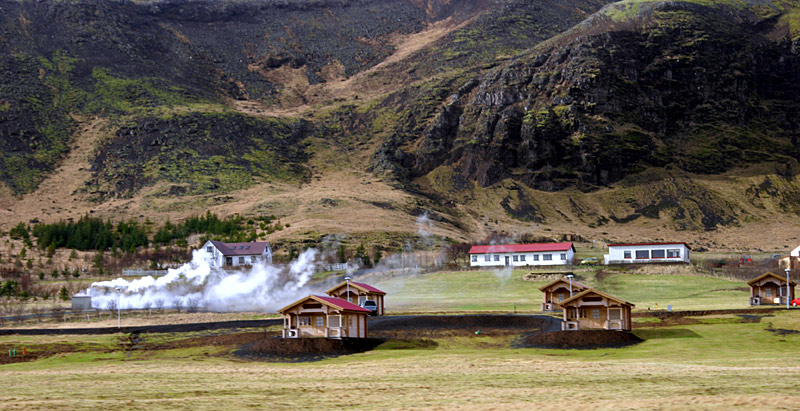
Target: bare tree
{"x": 192, "y": 304}
{"x": 177, "y": 304}
{"x": 159, "y": 302}
{"x": 147, "y": 304}
{"x": 111, "y": 306}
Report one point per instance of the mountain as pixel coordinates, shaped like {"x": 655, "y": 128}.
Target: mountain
{"x": 621, "y": 121}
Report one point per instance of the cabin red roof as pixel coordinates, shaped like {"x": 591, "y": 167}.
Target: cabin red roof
{"x": 520, "y": 248}
{"x": 343, "y": 304}
{"x": 632, "y": 244}
{"x": 368, "y": 287}
{"x": 252, "y": 248}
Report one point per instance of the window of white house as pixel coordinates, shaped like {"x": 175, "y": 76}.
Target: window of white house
{"x": 516, "y": 258}
{"x": 642, "y": 254}
{"x": 320, "y": 321}
{"x": 241, "y": 260}
{"x": 659, "y": 253}
{"x": 626, "y": 254}
{"x": 487, "y": 258}
{"x": 474, "y": 258}
{"x": 496, "y": 257}
{"x": 674, "y": 253}
{"x": 252, "y": 259}
{"x": 536, "y": 257}
{"x": 522, "y": 257}
{"x": 209, "y": 249}
{"x": 563, "y": 256}
{"x": 547, "y": 257}
{"x": 595, "y": 314}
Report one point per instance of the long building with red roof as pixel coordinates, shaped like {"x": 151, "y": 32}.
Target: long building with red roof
{"x": 520, "y": 255}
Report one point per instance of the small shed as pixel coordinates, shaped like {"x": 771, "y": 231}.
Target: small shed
{"x": 82, "y": 301}
{"x": 555, "y": 292}
{"x": 596, "y": 310}
{"x": 324, "y": 317}
{"x": 770, "y": 288}
{"x": 358, "y": 294}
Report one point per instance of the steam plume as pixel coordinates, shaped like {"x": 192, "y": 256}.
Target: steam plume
{"x": 262, "y": 287}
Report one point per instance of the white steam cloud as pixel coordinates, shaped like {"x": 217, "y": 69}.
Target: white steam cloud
{"x": 260, "y": 287}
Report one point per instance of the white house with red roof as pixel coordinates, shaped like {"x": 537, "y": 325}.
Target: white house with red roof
{"x": 324, "y": 316}
{"x": 235, "y": 254}
{"x": 647, "y": 253}
{"x": 520, "y": 255}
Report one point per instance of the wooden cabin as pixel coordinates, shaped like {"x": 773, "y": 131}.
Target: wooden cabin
{"x": 596, "y": 310}
{"x": 359, "y": 293}
{"x": 324, "y": 317}
{"x": 557, "y": 291}
{"x": 770, "y": 288}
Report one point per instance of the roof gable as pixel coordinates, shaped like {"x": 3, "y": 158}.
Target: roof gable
{"x": 575, "y": 284}
{"x": 359, "y": 286}
{"x": 588, "y": 291}
{"x": 521, "y": 248}
{"x": 636, "y": 244}
{"x": 770, "y": 274}
{"x": 251, "y": 248}
{"x": 333, "y": 302}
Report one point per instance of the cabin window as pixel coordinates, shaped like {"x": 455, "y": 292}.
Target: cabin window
{"x": 626, "y": 254}
{"x": 595, "y": 314}
{"x": 209, "y": 249}
{"x": 614, "y": 314}
{"x": 522, "y": 257}
{"x": 768, "y": 292}
{"x": 516, "y": 258}
{"x": 674, "y": 253}
{"x": 592, "y": 299}
{"x": 334, "y": 321}
{"x": 304, "y": 321}
{"x": 642, "y": 254}
{"x": 563, "y": 256}
{"x": 320, "y": 321}
{"x": 497, "y": 257}
{"x": 560, "y": 297}
{"x": 361, "y": 299}
{"x": 536, "y": 257}
{"x": 474, "y": 258}
{"x": 312, "y": 306}
{"x": 547, "y": 257}
{"x": 659, "y": 253}
{"x": 583, "y": 313}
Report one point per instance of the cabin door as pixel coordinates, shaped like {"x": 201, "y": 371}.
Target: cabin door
{"x": 508, "y": 260}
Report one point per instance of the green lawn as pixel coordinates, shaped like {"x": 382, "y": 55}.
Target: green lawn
{"x": 726, "y": 364}
{"x": 493, "y": 291}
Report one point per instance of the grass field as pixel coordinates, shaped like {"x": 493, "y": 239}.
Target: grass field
{"x": 708, "y": 362}
{"x": 498, "y": 291}
{"x": 726, "y": 364}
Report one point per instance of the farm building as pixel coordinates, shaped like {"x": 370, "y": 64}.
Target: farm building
{"x": 596, "y": 310}
{"x": 647, "y": 253}
{"x": 82, "y": 301}
{"x": 770, "y": 288}
{"x": 323, "y": 316}
{"x": 557, "y": 291}
{"x": 358, "y": 293}
{"x": 235, "y": 254}
{"x": 518, "y": 255}
{"x": 791, "y": 261}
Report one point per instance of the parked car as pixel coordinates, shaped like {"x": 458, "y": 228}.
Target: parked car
{"x": 796, "y": 302}
{"x": 590, "y": 261}
{"x": 370, "y": 305}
